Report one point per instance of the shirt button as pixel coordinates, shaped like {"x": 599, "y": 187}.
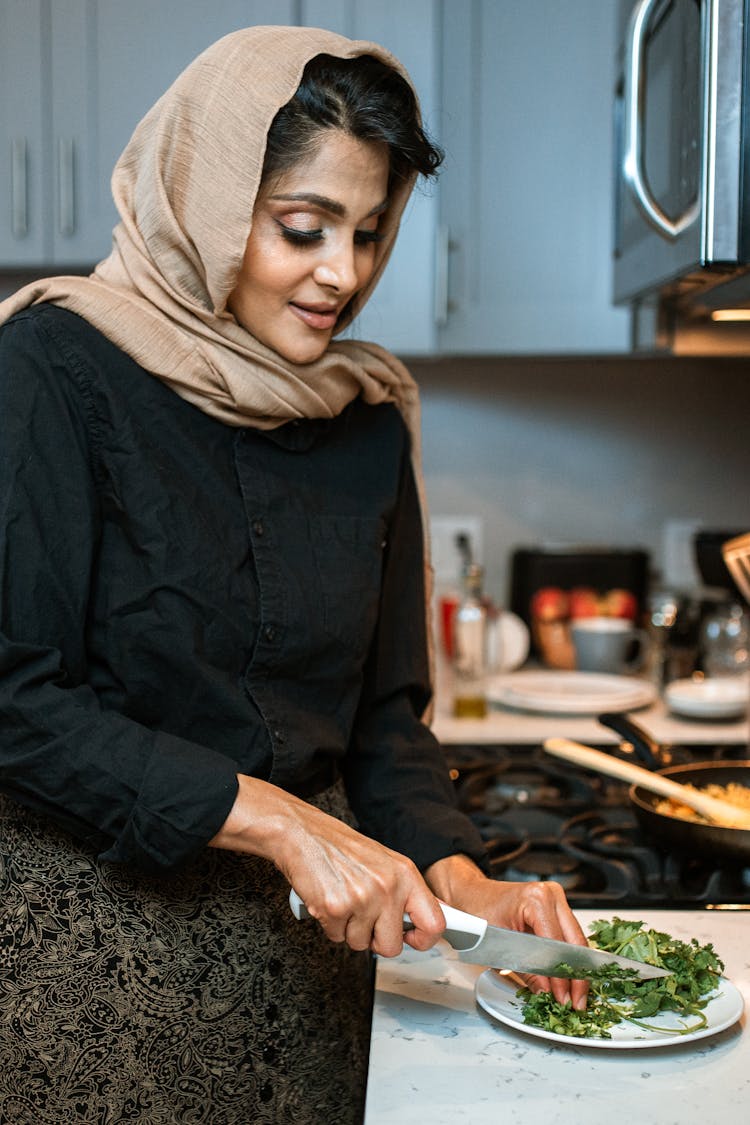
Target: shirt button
{"x": 269, "y": 632}
{"x": 258, "y": 527}
{"x": 278, "y": 735}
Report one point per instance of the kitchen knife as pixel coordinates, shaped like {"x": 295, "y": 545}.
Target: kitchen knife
{"x": 479, "y": 943}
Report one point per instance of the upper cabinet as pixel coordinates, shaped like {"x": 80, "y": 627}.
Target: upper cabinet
{"x": 76, "y": 76}
{"x": 23, "y": 198}
{"x": 508, "y": 252}
{"x": 526, "y": 191}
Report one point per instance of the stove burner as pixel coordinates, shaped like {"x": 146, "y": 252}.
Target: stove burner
{"x": 549, "y": 821}
{"x": 610, "y": 841}
{"x": 536, "y": 783}
{"x": 544, "y": 862}
{"x": 468, "y": 760}
{"x": 526, "y": 789}
{"x": 503, "y": 842}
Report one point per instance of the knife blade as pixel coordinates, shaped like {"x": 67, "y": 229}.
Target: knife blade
{"x": 478, "y": 943}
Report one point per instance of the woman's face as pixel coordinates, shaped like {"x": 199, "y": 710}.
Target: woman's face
{"x": 312, "y": 246}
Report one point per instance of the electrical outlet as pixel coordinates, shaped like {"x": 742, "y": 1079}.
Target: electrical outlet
{"x": 678, "y": 553}
{"x": 446, "y": 558}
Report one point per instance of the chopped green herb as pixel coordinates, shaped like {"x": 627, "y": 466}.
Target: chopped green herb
{"x": 616, "y": 995}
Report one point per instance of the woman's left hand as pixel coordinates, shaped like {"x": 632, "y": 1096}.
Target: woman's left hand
{"x": 539, "y": 908}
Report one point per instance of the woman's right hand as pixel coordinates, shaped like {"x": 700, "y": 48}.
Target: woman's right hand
{"x": 357, "y": 889}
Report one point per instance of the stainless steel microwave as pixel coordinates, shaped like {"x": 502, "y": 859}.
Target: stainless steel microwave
{"x": 682, "y": 175}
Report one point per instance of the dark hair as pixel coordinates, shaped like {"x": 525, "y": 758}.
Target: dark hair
{"x": 364, "y": 98}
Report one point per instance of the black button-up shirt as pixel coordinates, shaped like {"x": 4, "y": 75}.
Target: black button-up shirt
{"x": 182, "y": 600}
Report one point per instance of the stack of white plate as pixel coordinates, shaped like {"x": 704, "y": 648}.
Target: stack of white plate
{"x": 569, "y": 693}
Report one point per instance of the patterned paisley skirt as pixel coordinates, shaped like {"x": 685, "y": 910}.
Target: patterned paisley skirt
{"x": 191, "y": 1000}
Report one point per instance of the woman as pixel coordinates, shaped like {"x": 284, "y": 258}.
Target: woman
{"x": 213, "y": 664}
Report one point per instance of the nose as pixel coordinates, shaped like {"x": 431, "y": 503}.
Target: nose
{"x": 338, "y": 269}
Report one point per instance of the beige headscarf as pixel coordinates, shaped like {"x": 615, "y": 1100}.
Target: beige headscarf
{"x": 184, "y": 188}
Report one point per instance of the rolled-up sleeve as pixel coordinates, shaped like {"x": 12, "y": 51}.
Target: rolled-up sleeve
{"x": 135, "y": 794}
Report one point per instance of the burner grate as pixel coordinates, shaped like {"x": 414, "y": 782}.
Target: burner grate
{"x": 546, "y": 820}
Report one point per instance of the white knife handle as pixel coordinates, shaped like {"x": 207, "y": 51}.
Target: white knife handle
{"x": 299, "y": 910}
{"x": 462, "y": 931}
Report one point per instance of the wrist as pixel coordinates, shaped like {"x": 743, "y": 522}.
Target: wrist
{"x": 452, "y": 878}
{"x": 257, "y": 821}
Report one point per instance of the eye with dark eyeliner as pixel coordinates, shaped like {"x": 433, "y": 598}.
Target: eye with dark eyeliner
{"x": 309, "y": 237}
{"x": 299, "y": 237}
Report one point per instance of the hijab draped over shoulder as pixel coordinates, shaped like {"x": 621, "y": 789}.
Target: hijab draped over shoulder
{"x": 184, "y": 188}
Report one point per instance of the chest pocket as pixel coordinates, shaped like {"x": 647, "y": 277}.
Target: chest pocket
{"x": 349, "y": 561}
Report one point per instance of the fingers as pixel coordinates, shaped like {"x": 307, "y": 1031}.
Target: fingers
{"x": 383, "y": 930}
{"x": 550, "y": 916}
{"x": 427, "y": 919}
{"x": 540, "y": 908}
{"x": 373, "y": 915}
{"x": 579, "y": 992}
{"x": 358, "y": 890}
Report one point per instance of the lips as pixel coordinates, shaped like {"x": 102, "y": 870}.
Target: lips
{"x": 316, "y": 316}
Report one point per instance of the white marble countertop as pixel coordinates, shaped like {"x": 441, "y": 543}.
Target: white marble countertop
{"x": 517, "y": 728}
{"x": 436, "y": 1057}
{"x": 511, "y": 727}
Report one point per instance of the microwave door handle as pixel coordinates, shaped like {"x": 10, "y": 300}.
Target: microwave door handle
{"x": 632, "y": 165}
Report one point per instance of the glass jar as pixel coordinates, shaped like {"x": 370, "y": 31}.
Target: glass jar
{"x": 725, "y": 641}
{"x": 470, "y": 648}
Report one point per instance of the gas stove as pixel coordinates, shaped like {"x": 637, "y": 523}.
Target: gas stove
{"x": 542, "y": 819}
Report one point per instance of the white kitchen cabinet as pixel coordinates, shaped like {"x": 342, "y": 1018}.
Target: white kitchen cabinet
{"x": 76, "y": 76}
{"x": 526, "y": 190}
{"x": 22, "y": 179}
{"x": 401, "y": 313}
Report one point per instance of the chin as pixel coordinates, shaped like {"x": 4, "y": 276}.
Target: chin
{"x": 303, "y": 353}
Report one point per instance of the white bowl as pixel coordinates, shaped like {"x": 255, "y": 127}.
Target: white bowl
{"x": 716, "y": 697}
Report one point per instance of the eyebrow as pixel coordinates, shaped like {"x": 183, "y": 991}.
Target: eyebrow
{"x": 326, "y": 204}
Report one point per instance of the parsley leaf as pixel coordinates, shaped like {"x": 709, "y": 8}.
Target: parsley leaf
{"x": 616, "y": 995}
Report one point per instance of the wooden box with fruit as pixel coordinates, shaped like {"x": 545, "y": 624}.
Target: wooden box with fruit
{"x": 552, "y": 610}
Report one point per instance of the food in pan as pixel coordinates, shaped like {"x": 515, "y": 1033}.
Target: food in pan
{"x": 615, "y": 996}
{"x": 734, "y": 793}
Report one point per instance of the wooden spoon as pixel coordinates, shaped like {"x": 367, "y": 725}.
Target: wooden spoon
{"x": 718, "y": 812}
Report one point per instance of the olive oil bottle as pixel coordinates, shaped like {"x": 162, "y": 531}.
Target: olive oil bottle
{"x": 470, "y": 648}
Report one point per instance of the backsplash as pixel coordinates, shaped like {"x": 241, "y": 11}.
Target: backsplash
{"x": 596, "y": 450}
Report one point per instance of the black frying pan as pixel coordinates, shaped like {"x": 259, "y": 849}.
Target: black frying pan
{"x": 701, "y": 840}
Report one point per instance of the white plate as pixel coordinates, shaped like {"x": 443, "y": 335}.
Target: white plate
{"x": 720, "y": 697}
{"x": 570, "y": 693}
{"x": 498, "y": 998}
{"x": 509, "y": 642}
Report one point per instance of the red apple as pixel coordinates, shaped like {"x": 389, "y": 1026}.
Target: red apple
{"x": 621, "y": 603}
{"x": 584, "y": 602}
{"x": 549, "y": 603}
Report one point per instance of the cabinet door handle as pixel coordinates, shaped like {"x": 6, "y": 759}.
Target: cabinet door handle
{"x": 66, "y": 219}
{"x": 19, "y": 188}
{"x": 442, "y": 250}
